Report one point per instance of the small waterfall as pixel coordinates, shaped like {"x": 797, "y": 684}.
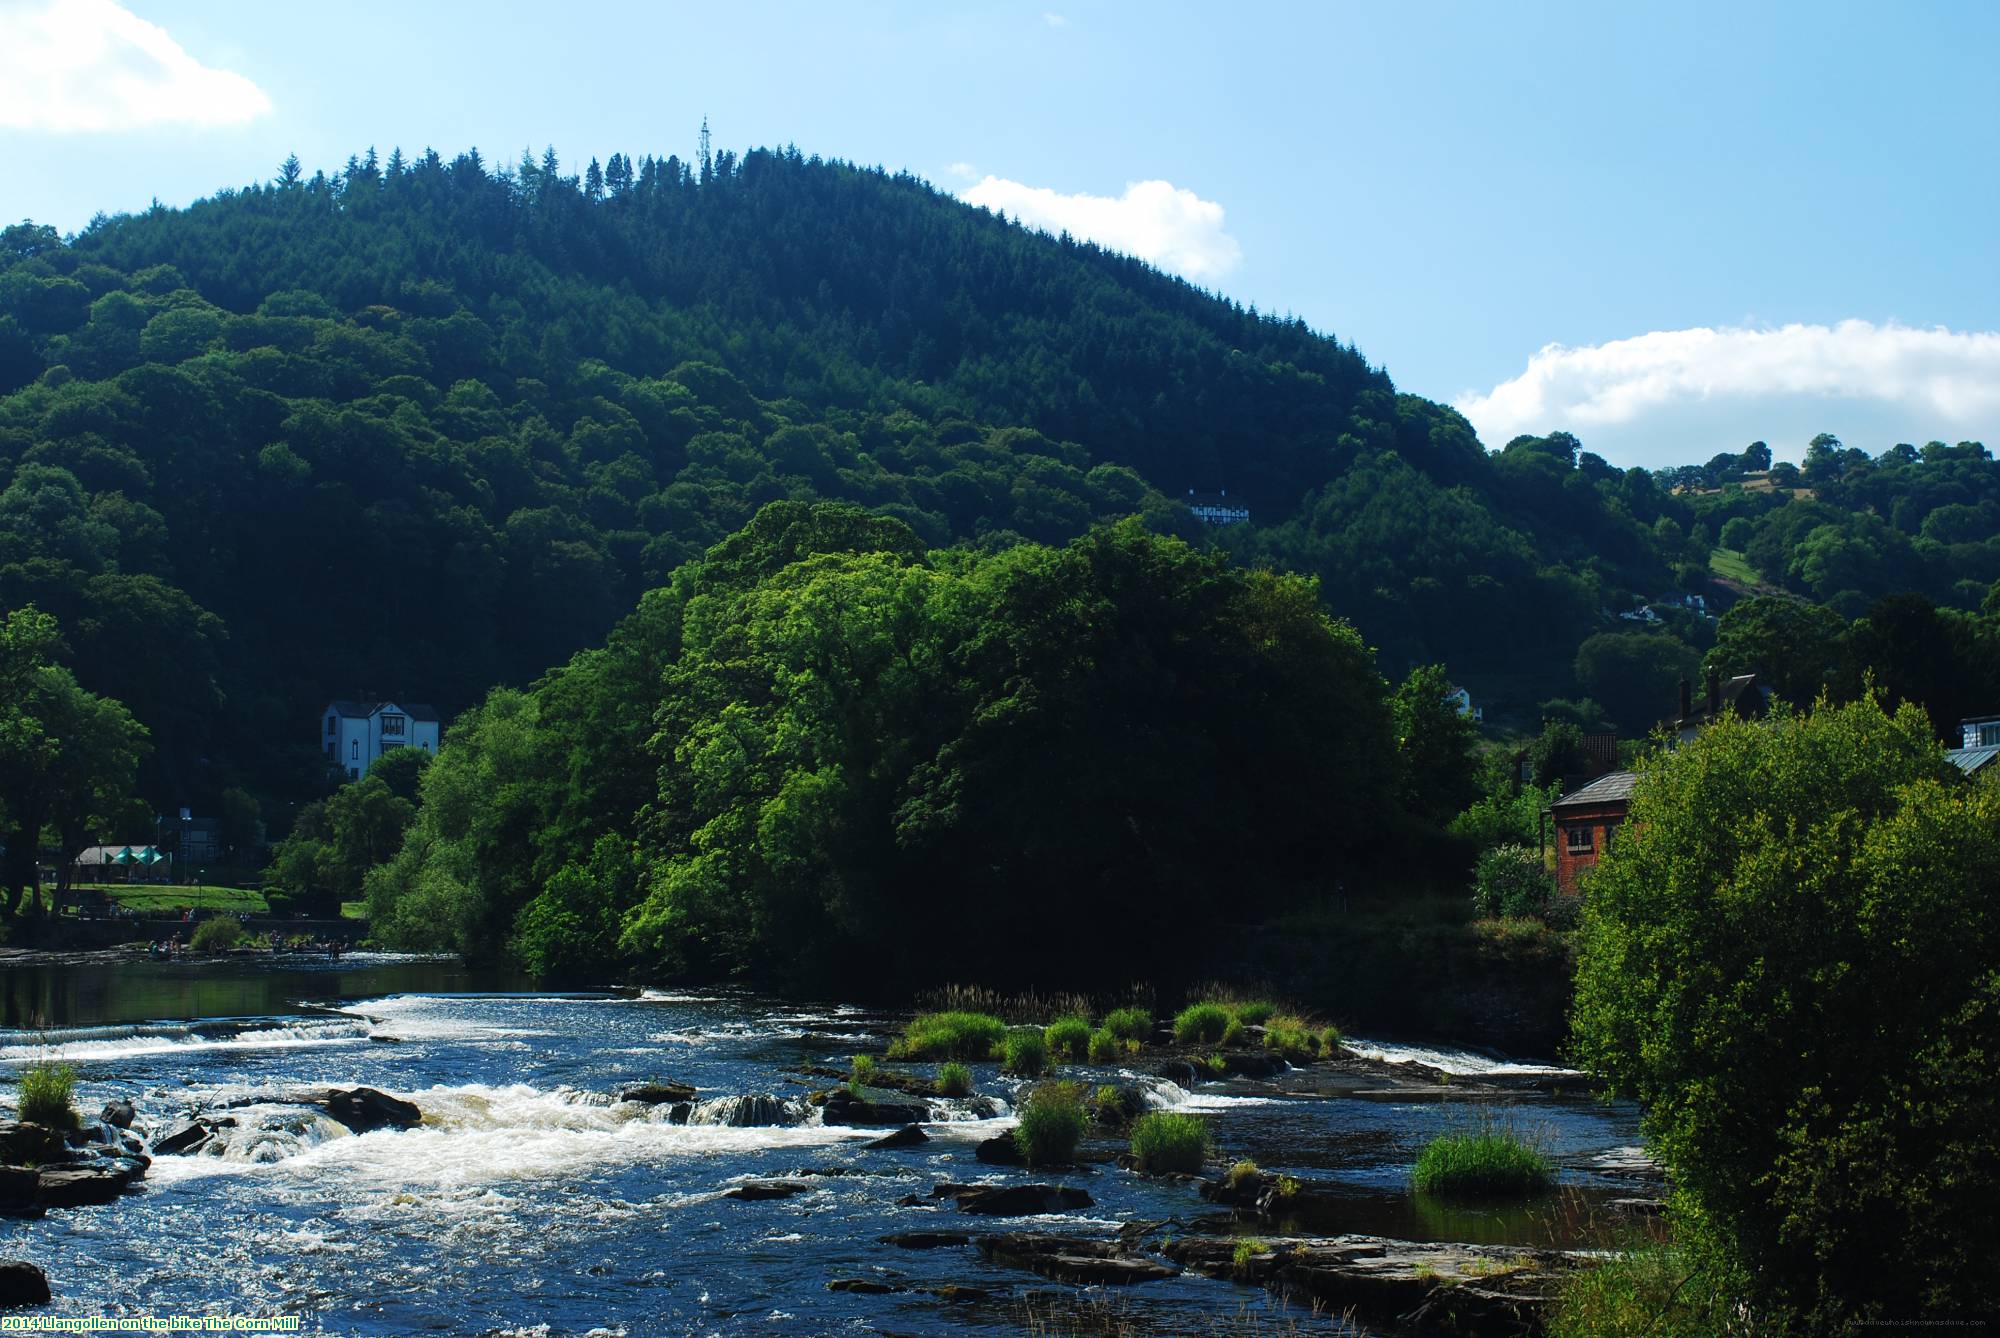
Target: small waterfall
{"x": 743, "y": 1112}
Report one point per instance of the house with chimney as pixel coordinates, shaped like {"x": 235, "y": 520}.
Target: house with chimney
{"x": 357, "y": 734}
{"x": 1740, "y": 697}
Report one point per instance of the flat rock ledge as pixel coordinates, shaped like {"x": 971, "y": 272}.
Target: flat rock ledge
{"x": 1012, "y": 1200}
{"x": 1080, "y": 1262}
{"x": 1422, "y": 1288}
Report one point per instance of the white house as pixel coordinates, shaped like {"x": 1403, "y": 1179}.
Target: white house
{"x": 1980, "y": 731}
{"x": 1461, "y": 701}
{"x": 355, "y": 735}
{"x": 1215, "y": 508}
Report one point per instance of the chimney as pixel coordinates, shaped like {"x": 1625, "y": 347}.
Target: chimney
{"x": 1687, "y": 699}
{"x": 1714, "y": 694}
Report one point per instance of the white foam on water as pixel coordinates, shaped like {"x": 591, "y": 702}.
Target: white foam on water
{"x": 1162, "y": 1094}
{"x": 1469, "y": 1063}
{"x": 84, "y": 1044}
{"x": 480, "y": 1135}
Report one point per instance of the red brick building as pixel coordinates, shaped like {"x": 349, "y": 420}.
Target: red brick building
{"x": 1584, "y": 821}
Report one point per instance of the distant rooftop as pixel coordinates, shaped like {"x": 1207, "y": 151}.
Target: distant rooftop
{"x": 1614, "y": 788}
{"x": 1970, "y": 760}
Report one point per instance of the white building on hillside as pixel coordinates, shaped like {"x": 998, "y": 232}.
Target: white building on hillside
{"x": 355, "y": 735}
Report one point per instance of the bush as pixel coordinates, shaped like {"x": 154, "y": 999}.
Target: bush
{"x": 864, "y": 1072}
{"x": 1052, "y": 1123}
{"x": 1026, "y": 1053}
{"x": 954, "y": 1080}
{"x": 1104, "y": 1047}
{"x": 1201, "y": 1024}
{"x": 1489, "y": 1164}
{"x": 950, "y": 1036}
{"x": 1656, "y": 1290}
{"x": 1130, "y": 1024}
{"x": 1164, "y": 1141}
{"x": 47, "y": 1095}
{"x": 1790, "y": 964}
{"x": 1255, "y": 1013}
{"x": 1511, "y": 881}
{"x": 1068, "y": 1037}
{"x": 1243, "y": 1173}
{"x": 218, "y": 933}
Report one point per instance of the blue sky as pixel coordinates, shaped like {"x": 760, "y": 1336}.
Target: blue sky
{"x": 1732, "y": 222}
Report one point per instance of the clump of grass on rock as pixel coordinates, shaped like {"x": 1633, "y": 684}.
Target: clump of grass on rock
{"x": 1299, "y": 1039}
{"x": 1167, "y": 1141}
{"x": 47, "y": 1095}
{"x": 1025, "y": 1052}
{"x": 1052, "y": 1123}
{"x": 954, "y": 1079}
{"x": 950, "y": 1036}
{"x": 1202, "y": 1024}
{"x": 1485, "y": 1164}
{"x": 1068, "y": 1038}
{"x": 1104, "y": 1047}
{"x": 1134, "y": 1025}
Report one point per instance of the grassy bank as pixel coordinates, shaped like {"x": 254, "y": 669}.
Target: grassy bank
{"x": 150, "y": 898}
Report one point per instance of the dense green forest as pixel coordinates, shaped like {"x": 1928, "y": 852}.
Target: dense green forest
{"x": 421, "y": 427}
{"x": 782, "y": 759}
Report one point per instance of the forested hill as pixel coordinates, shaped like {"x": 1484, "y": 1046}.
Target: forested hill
{"x": 420, "y": 427}
{"x": 837, "y": 286}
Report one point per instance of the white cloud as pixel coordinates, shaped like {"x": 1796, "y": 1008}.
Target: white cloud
{"x": 94, "y": 65}
{"x": 1154, "y": 220}
{"x": 1678, "y": 396}
{"x": 1053, "y": 19}
{"x": 963, "y": 171}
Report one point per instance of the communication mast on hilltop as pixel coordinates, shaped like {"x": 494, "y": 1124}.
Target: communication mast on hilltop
{"x": 705, "y": 159}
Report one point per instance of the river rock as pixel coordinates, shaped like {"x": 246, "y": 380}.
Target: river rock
{"x": 864, "y": 1286}
{"x": 79, "y": 1186}
{"x": 25, "y": 1143}
{"x": 908, "y": 1136}
{"x": 757, "y": 1191}
{"x": 118, "y": 1114}
{"x": 1083, "y": 1263}
{"x": 1012, "y": 1200}
{"x": 1180, "y": 1073}
{"x": 363, "y": 1109}
{"x": 843, "y": 1107}
{"x": 1239, "y": 1192}
{"x": 1000, "y": 1150}
{"x": 184, "y": 1141}
{"x": 657, "y": 1093}
{"x": 1252, "y": 1064}
{"x": 1423, "y": 1287}
{"x": 17, "y": 1191}
{"x": 926, "y": 1240}
{"x": 21, "y": 1283}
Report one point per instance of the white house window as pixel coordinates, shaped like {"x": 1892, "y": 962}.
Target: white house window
{"x": 329, "y": 724}
{"x": 354, "y": 750}
{"x": 392, "y": 724}
{"x": 1989, "y": 734}
{"x": 1580, "y": 840}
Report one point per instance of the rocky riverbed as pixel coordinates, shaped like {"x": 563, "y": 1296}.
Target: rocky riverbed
{"x": 661, "y": 1162}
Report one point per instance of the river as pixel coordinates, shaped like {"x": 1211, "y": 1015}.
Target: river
{"x": 529, "y": 1202}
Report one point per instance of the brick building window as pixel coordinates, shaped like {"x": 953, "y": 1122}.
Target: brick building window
{"x": 1580, "y": 839}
